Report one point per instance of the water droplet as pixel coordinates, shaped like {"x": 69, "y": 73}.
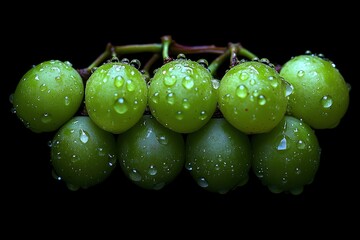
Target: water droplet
{"x": 159, "y": 186}
{"x": 130, "y": 86}
{"x": 273, "y": 82}
{"x": 300, "y": 73}
{"x": 179, "y": 115}
{"x": 203, "y": 62}
{"x": 13, "y": 110}
{"x": 181, "y": 56}
{"x": 226, "y": 97}
{"x": 43, "y": 87}
{"x": 297, "y": 171}
{"x": 152, "y": 170}
{"x": 67, "y": 101}
{"x": 326, "y": 101}
{"x": 120, "y": 106}
{"x": 261, "y": 100}
{"x": 72, "y": 187}
{"x": 11, "y": 98}
{"x": 119, "y": 81}
{"x": 283, "y": 144}
{"x": 170, "y": 80}
{"x": 252, "y": 82}
{"x": 135, "y": 63}
{"x": 244, "y": 76}
{"x": 50, "y": 143}
{"x": 289, "y": 88}
{"x": 203, "y": 115}
{"x": 301, "y": 144}
{"x": 188, "y": 166}
{"x": 134, "y": 175}
{"x": 37, "y": 77}
{"x": 187, "y": 82}
{"x": 46, "y": 118}
{"x": 185, "y": 103}
{"x": 84, "y": 136}
{"x": 170, "y": 98}
{"x": 93, "y": 69}
{"x": 202, "y": 182}
{"x": 260, "y": 173}
{"x": 67, "y": 63}
{"x": 348, "y": 86}
{"x": 55, "y": 176}
{"x": 297, "y": 190}
{"x": 242, "y": 91}
{"x": 162, "y": 139}
{"x": 274, "y": 189}
{"x": 123, "y": 60}
{"x": 215, "y": 83}
{"x": 155, "y": 97}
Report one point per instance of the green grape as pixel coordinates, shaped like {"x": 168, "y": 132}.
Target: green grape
{"x": 286, "y": 158}
{"x": 116, "y": 96}
{"x": 253, "y": 97}
{"x": 182, "y": 96}
{"x": 321, "y": 95}
{"x": 218, "y": 156}
{"x": 48, "y": 95}
{"x": 82, "y": 154}
{"x": 151, "y": 155}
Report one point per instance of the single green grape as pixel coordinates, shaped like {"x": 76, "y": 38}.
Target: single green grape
{"x": 218, "y": 156}
{"x": 253, "y": 97}
{"x": 151, "y": 155}
{"x": 321, "y": 95}
{"x": 116, "y": 96}
{"x": 82, "y": 154}
{"x": 48, "y": 95}
{"x": 286, "y": 158}
{"x": 182, "y": 95}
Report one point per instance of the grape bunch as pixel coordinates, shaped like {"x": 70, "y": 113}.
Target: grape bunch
{"x": 154, "y": 122}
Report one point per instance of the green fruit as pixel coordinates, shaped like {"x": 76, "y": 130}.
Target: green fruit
{"x": 253, "y": 97}
{"x": 82, "y": 154}
{"x": 48, "y": 95}
{"x": 151, "y": 155}
{"x": 182, "y": 96}
{"x": 286, "y": 158}
{"x": 321, "y": 95}
{"x": 218, "y": 156}
{"x": 116, "y": 96}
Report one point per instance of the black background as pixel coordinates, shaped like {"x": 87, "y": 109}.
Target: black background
{"x": 81, "y": 38}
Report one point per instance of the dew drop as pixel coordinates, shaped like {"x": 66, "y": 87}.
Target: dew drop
{"x": 297, "y": 191}
{"x": 123, "y": 60}
{"x": 289, "y": 88}
{"x": 185, "y": 103}
{"x": 301, "y": 144}
{"x": 202, "y": 182}
{"x": 67, "y": 101}
{"x": 135, "y": 63}
{"x": 155, "y": 97}
{"x": 43, "y": 87}
{"x": 181, "y": 56}
{"x": 72, "y": 187}
{"x": 170, "y": 98}
{"x": 203, "y": 115}
{"x": 46, "y": 118}
{"x": 300, "y": 73}
{"x": 55, "y": 176}
{"x": 119, "y": 81}
{"x": 159, "y": 186}
{"x": 274, "y": 189}
{"x": 297, "y": 171}
{"x": 134, "y": 175}
{"x": 67, "y": 63}
{"x": 203, "y": 62}
{"x": 37, "y": 77}
{"x": 187, "y": 82}
{"x": 242, "y": 91}
{"x": 84, "y": 136}
{"x": 215, "y": 83}
{"x": 226, "y": 97}
{"x": 162, "y": 140}
{"x": 252, "y": 82}
{"x": 188, "y": 166}
{"x": 283, "y": 145}
{"x": 152, "y": 170}
{"x": 11, "y": 98}
{"x": 120, "y": 106}
{"x": 179, "y": 115}
{"x": 261, "y": 100}
{"x": 244, "y": 76}
{"x": 130, "y": 86}
{"x": 326, "y": 101}
{"x": 170, "y": 80}
{"x": 13, "y": 110}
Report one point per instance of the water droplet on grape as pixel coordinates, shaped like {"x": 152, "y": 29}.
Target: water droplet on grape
{"x": 348, "y": 86}
{"x": 301, "y": 144}
{"x": 226, "y": 97}
{"x": 55, "y": 176}
{"x": 185, "y": 103}
{"x": 242, "y": 91}
{"x": 187, "y": 82}
{"x": 181, "y": 56}
{"x": 297, "y": 191}
{"x": 203, "y": 115}
{"x": 283, "y": 144}
{"x": 11, "y": 98}
{"x": 46, "y": 118}
{"x": 37, "y": 77}
{"x": 326, "y": 101}
{"x": 155, "y": 97}
{"x": 125, "y": 60}
{"x": 215, "y": 83}
{"x": 252, "y": 82}
{"x": 68, "y": 64}
{"x": 289, "y": 88}
{"x": 43, "y": 87}
{"x": 66, "y": 101}
{"x": 179, "y": 115}
{"x": 274, "y": 189}
{"x": 170, "y": 98}
{"x": 13, "y": 110}
{"x": 261, "y": 100}
{"x": 202, "y": 182}
{"x": 119, "y": 81}
{"x": 162, "y": 140}
{"x": 72, "y": 187}
{"x": 244, "y": 76}
{"x": 300, "y": 73}
{"x": 135, "y": 63}
{"x": 93, "y": 69}
{"x": 297, "y": 171}
{"x": 58, "y": 78}
{"x": 134, "y": 175}
{"x": 84, "y": 136}
{"x": 152, "y": 170}
{"x": 203, "y": 62}
{"x": 159, "y": 186}
{"x": 170, "y": 80}
{"x": 120, "y": 106}
{"x": 188, "y": 166}
{"x": 130, "y": 86}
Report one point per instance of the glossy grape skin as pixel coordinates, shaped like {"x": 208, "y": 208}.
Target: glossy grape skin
{"x": 286, "y": 158}
{"x": 182, "y": 96}
{"x": 82, "y": 154}
{"x": 116, "y": 96}
{"x": 321, "y": 95}
{"x": 218, "y": 156}
{"x": 253, "y": 97}
{"x": 48, "y": 95}
{"x": 151, "y": 155}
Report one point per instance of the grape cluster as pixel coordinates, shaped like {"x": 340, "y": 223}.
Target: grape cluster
{"x": 255, "y": 117}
